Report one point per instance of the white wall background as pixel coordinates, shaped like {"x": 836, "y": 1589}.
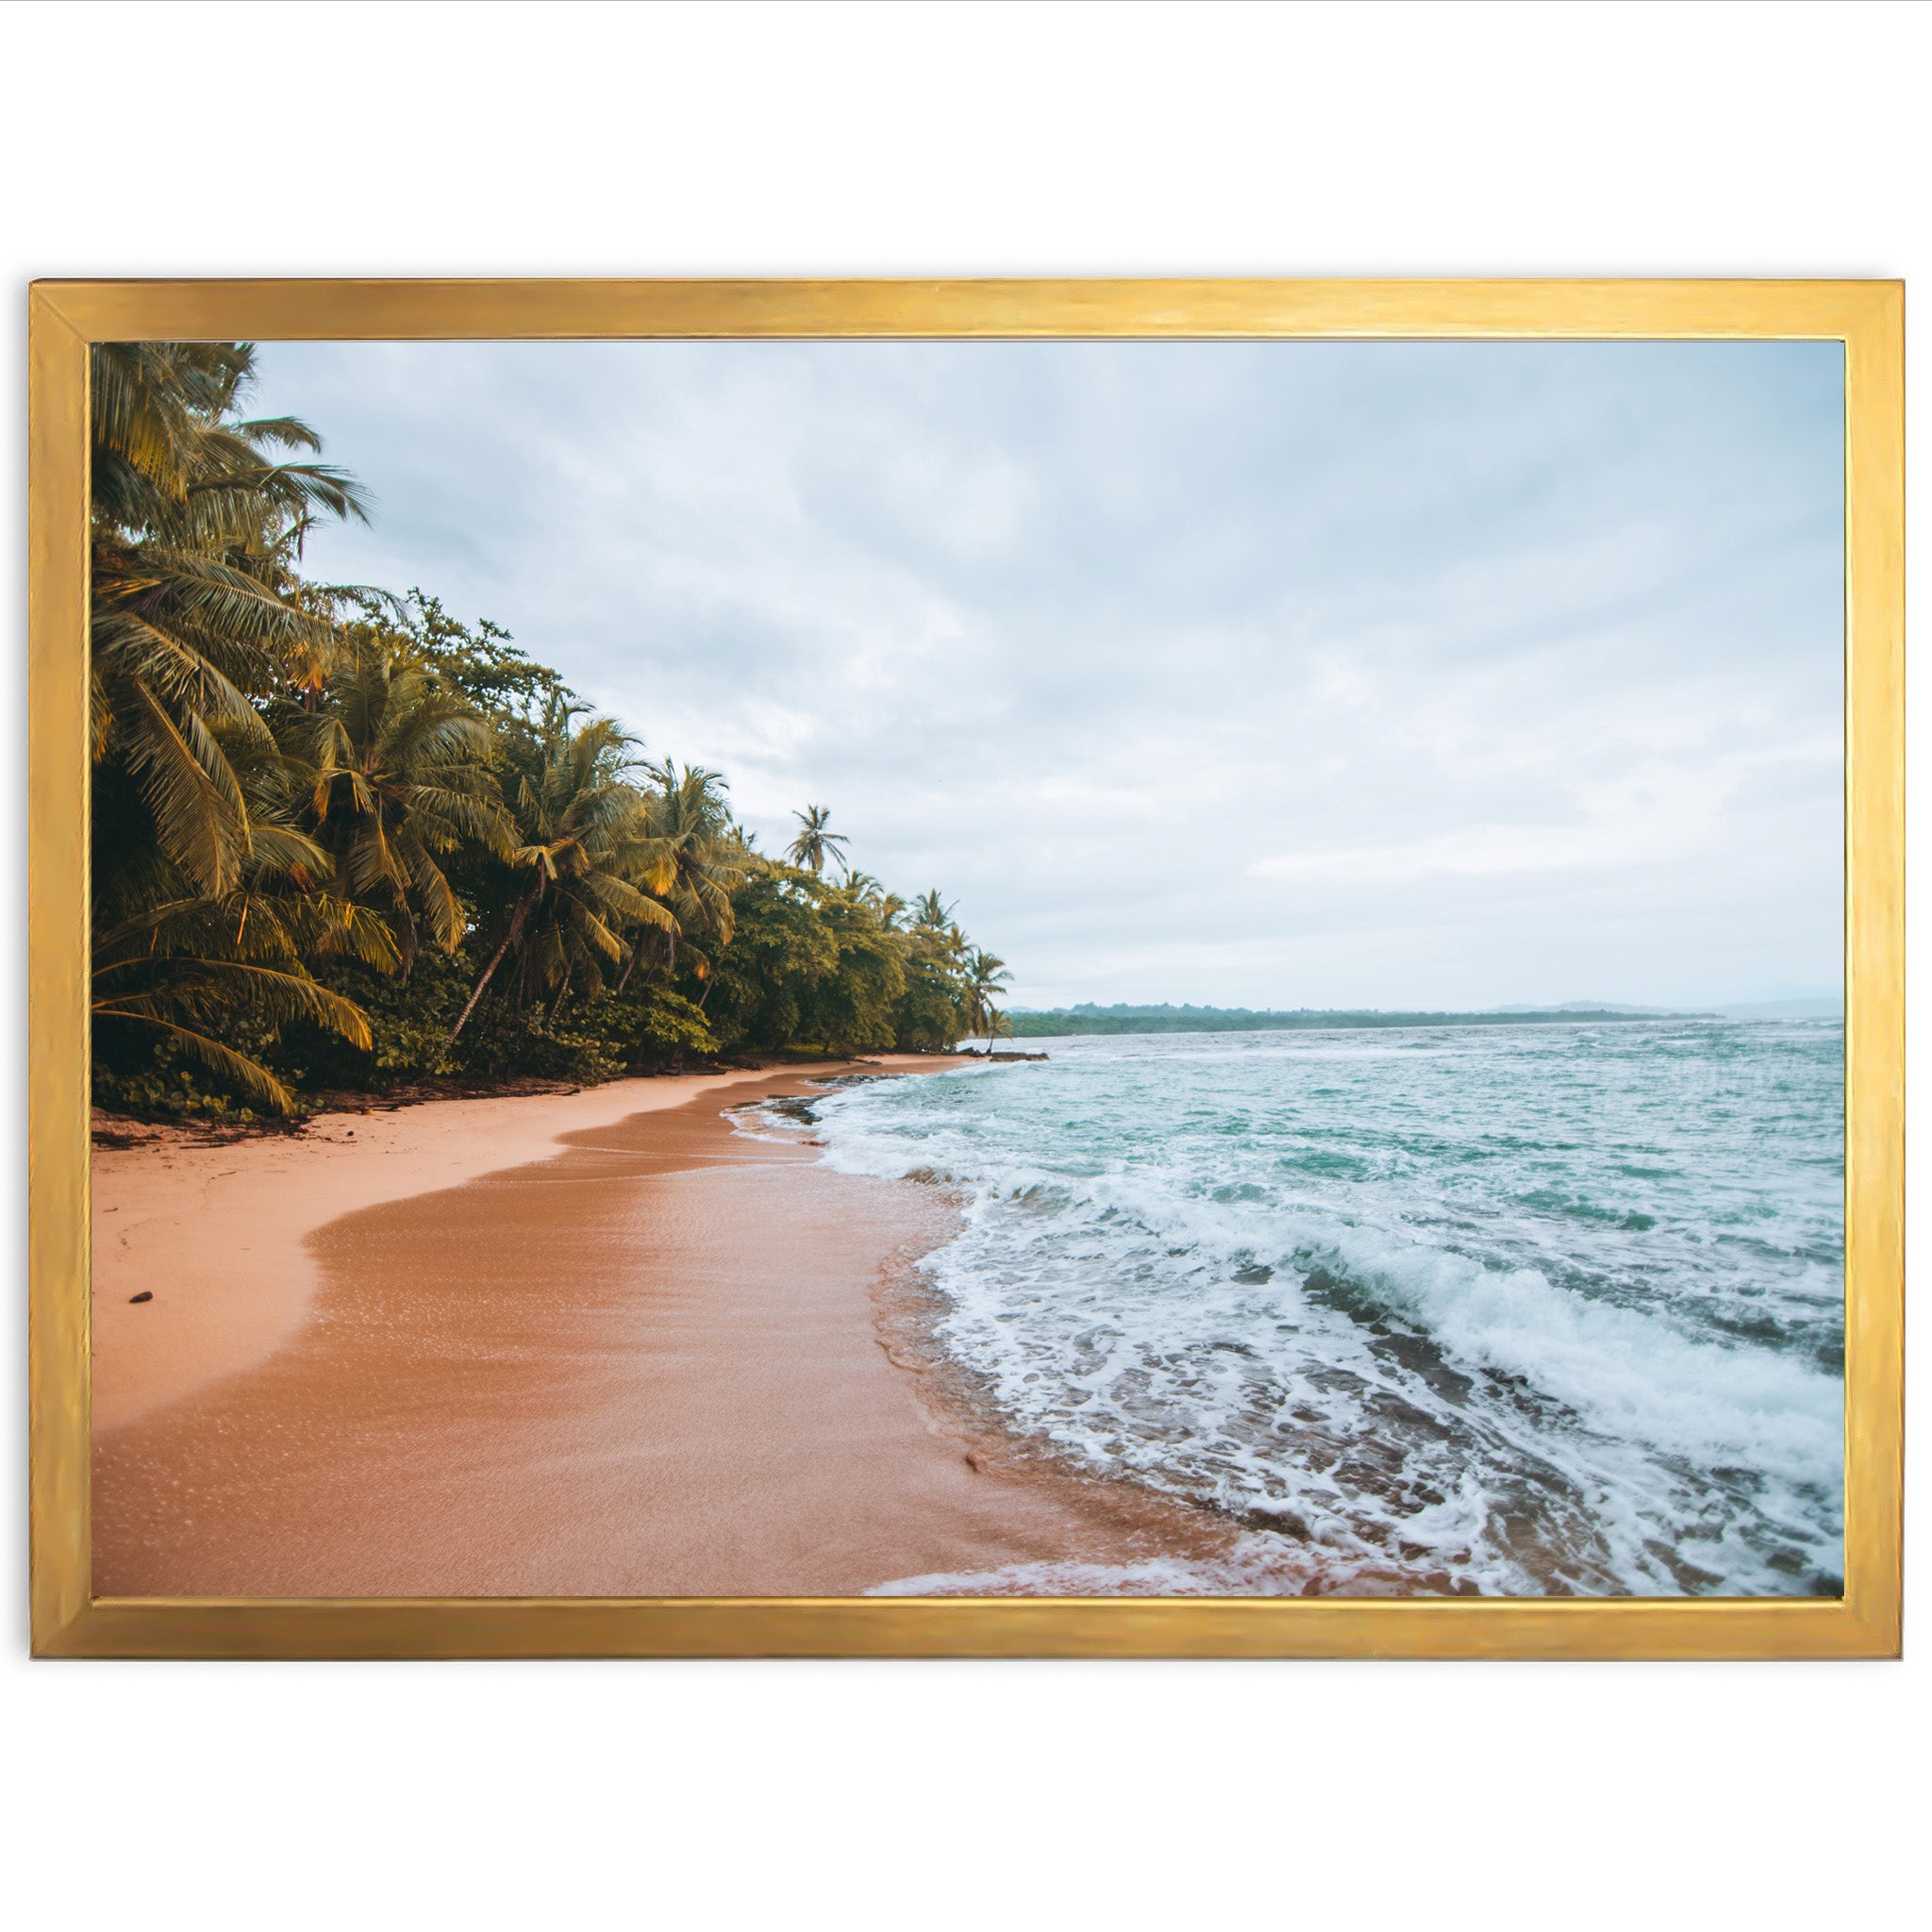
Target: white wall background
{"x": 458, "y": 139}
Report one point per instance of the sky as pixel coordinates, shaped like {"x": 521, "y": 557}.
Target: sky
{"x": 1392, "y": 675}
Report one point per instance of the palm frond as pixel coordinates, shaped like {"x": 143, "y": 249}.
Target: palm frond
{"x": 250, "y": 1075}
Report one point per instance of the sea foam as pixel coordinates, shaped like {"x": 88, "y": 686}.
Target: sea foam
{"x": 1550, "y": 1309}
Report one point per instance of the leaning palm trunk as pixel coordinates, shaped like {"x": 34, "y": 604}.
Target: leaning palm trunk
{"x": 630, "y": 966}
{"x": 583, "y": 829}
{"x": 509, "y": 939}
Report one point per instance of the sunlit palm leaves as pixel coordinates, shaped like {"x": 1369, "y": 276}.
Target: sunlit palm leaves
{"x": 278, "y": 794}
{"x": 396, "y": 775}
{"x": 172, "y": 460}
{"x": 192, "y": 969}
{"x": 581, "y": 836}
{"x": 193, "y": 524}
{"x": 692, "y": 856}
{"x": 205, "y": 924}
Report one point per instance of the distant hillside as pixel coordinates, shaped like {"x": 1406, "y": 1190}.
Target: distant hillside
{"x": 1088, "y": 1018}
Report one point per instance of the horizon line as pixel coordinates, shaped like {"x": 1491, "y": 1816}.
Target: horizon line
{"x": 1685, "y": 1008}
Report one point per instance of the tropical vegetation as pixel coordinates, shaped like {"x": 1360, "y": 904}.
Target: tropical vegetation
{"x": 343, "y": 841}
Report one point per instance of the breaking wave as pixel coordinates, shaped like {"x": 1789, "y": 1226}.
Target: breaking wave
{"x": 1510, "y": 1310}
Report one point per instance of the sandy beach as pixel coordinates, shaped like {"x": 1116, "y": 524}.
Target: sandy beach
{"x": 596, "y": 1343}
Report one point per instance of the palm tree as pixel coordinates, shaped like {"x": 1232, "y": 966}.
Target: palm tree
{"x": 689, "y": 830}
{"x": 172, "y": 460}
{"x": 396, "y": 773}
{"x": 580, "y": 827}
{"x": 986, "y": 973}
{"x": 814, "y": 844}
{"x": 195, "y": 608}
{"x": 206, "y": 907}
{"x": 190, "y": 967}
{"x": 929, "y": 910}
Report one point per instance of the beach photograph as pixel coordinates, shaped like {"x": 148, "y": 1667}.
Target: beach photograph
{"x": 968, "y": 968}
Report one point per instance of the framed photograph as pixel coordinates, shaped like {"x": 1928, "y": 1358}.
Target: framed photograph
{"x": 1040, "y": 968}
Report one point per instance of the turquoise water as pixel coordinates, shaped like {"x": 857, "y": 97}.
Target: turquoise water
{"x": 1515, "y": 1311}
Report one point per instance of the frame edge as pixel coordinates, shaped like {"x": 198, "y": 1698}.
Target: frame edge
{"x": 57, "y": 1312}
{"x": 66, "y": 315}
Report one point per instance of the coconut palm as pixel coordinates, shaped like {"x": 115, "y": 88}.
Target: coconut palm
{"x": 986, "y": 974}
{"x": 814, "y": 844}
{"x": 190, "y": 969}
{"x": 194, "y": 609}
{"x": 288, "y": 776}
{"x": 396, "y": 774}
{"x": 172, "y": 460}
{"x": 580, "y": 838}
{"x": 688, "y": 828}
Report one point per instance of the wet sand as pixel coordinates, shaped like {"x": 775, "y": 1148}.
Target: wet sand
{"x": 654, "y": 1364}
{"x": 217, "y": 1231}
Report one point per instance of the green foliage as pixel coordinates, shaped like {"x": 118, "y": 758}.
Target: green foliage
{"x": 855, "y": 1009}
{"x": 779, "y": 953}
{"x": 478, "y": 663}
{"x": 814, "y": 963}
{"x": 154, "y": 1080}
{"x": 344, "y": 840}
{"x": 518, "y": 1039}
{"x": 931, "y": 1015}
{"x": 409, "y": 1021}
{"x": 654, "y": 1025}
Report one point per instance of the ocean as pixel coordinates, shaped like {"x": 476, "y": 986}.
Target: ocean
{"x": 1511, "y": 1311}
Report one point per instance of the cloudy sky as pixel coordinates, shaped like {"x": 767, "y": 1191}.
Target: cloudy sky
{"x": 1279, "y": 673}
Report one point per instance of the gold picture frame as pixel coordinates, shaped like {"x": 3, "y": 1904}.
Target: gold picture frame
{"x": 68, "y": 1620}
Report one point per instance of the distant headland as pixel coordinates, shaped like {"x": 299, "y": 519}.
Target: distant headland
{"x": 1087, "y": 1018}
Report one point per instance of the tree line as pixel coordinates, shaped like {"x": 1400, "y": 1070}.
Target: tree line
{"x": 341, "y": 840}
{"x": 1067, "y": 1022}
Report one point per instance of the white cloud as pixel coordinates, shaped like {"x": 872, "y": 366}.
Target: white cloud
{"x": 1295, "y": 673}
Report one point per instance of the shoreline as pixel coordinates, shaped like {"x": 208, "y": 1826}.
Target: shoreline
{"x": 596, "y": 1343}
{"x": 213, "y": 1314}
